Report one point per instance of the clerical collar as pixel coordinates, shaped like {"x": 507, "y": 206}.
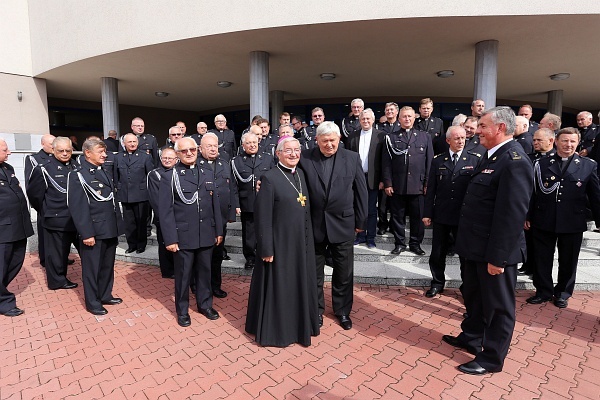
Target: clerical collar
{"x": 363, "y": 132}
{"x": 210, "y": 161}
{"x": 188, "y": 166}
{"x": 288, "y": 169}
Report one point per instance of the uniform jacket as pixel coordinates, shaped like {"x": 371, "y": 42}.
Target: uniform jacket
{"x": 375, "y": 149}
{"x": 15, "y": 221}
{"x": 491, "y": 222}
{"x": 447, "y": 185}
{"x": 147, "y": 144}
{"x": 389, "y": 128}
{"x": 108, "y": 166}
{"x": 307, "y": 137}
{"x": 92, "y": 203}
{"x": 192, "y": 225}
{"x": 349, "y": 125}
{"x": 435, "y": 127}
{"x": 341, "y": 207}
{"x": 559, "y": 199}
{"x": 130, "y": 179}
{"x": 47, "y": 193}
{"x": 153, "y": 184}
{"x": 525, "y": 141}
{"x": 406, "y": 160}
{"x": 534, "y": 157}
{"x": 225, "y": 187}
{"x": 268, "y": 145}
{"x": 533, "y": 126}
{"x": 473, "y": 145}
{"x": 31, "y": 161}
{"x": 227, "y": 146}
{"x": 111, "y": 144}
{"x": 588, "y": 137}
{"x": 246, "y": 171}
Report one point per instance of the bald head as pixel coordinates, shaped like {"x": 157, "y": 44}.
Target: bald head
{"x": 47, "y": 143}
{"x": 522, "y": 125}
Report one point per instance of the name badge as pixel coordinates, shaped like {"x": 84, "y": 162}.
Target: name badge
{"x": 487, "y": 171}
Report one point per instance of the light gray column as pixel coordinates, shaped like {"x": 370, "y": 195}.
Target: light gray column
{"x": 276, "y": 107}
{"x": 110, "y": 105}
{"x": 486, "y": 72}
{"x": 555, "y": 102}
{"x": 259, "y": 83}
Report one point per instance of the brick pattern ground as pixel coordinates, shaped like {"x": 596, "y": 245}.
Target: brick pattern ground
{"x": 57, "y": 350}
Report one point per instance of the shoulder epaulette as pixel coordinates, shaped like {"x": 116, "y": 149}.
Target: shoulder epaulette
{"x": 474, "y": 154}
{"x": 515, "y": 155}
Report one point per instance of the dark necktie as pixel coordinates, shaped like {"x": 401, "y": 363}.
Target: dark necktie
{"x": 454, "y": 158}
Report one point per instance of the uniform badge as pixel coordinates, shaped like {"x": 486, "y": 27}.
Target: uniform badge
{"x": 576, "y": 161}
{"x": 487, "y": 171}
{"x": 183, "y": 172}
{"x": 147, "y": 151}
{"x": 467, "y": 167}
{"x": 2, "y": 183}
{"x": 552, "y": 178}
{"x": 100, "y": 185}
{"x": 92, "y": 171}
{"x": 494, "y": 159}
{"x": 578, "y": 184}
{"x": 421, "y": 148}
{"x": 59, "y": 167}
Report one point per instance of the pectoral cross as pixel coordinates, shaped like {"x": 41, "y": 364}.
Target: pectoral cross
{"x": 301, "y": 199}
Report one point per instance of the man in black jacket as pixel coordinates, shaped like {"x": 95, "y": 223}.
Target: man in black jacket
{"x": 432, "y": 125}
{"x": 16, "y": 228}
{"x": 338, "y": 193}
{"x": 490, "y": 238}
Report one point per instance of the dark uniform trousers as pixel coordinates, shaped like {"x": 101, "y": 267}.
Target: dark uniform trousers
{"x": 342, "y": 278}
{"x": 248, "y": 235}
{"x": 383, "y": 200}
{"x": 100, "y": 219}
{"x": 411, "y": 205}
{"x": 188, "y": 263}
{"x": 442, "y": 234}
{"x": 58, "y": 244}
{"x": 15, "y": 227}
{"x": 165, "y": 257}
{"x": 41, "y": 157}
{"x": 135, "y": 216}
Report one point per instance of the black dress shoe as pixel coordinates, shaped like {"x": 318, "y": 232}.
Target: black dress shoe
{"x": 14, "y": 312}
{"x": 417, "y": 250}
{"x": 454, "y": 341}
{"x": 130, "y": 250}
{"x": 68, "y": 285}
{"x": 70, "y": 261}
{"x": 450, "y": 253}
{"x": 560, "y": 303}
{"x": 249, "y": 264}
{"x": 148, "y": 232}
{"x": 226, "y": 257}
{"x": 112, "y": 302}
{"x": 537, "y": 299}
{"x": 140, "y": 250}
{"x": 358, "y": 241}
{"x": 433, "y": 291}
{"x": 381, "y": 232}
{"x": 220, "y": 293}
{"x": 473, "y": 368}
{"x": 345, "y": 322}
{"x": 184, "y": 320}
{"x": 320, "y": 320}
{"x": 398, "y": 249}
{"x": 209, "y": 313}
{"x": 99, "y": 311}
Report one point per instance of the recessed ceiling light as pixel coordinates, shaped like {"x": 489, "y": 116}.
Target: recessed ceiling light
{"x": 223, "y": 84}
{"x": 446, "y": 73}
{"x": 161, "y": 94}
{"x": 560, "y": 76}
{"x": 328, "y": 76}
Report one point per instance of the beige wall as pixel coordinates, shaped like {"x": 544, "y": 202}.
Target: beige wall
{"x": 87, "y": 28}
{"x": 15, "y": 48}
{"x": 29, "y": 115}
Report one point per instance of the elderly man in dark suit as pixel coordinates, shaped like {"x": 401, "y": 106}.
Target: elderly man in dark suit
{"x": 447, "y": 184}
{"x": 406, "y": 160}
{"x": 16, "y": 228}
{"x": 97, "y": 217}
{"x": 47, "y": 192}
{"x": 191, "y": 224}
{"x": 563, "y": 183}
{"x": 490, "y": 238}
{"x": 434, "y": 126}
{"x": 112, "y": 143}
{"x": 368, "y": 142}
{"x": 132, "y": 168}
{"x": 338, "y": 193}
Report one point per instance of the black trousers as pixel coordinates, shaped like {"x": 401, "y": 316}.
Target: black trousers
{"x": 528, "y": 265}
{"x": 135, "y": 216}
{"x": 194, "y": 262}
{"x": 41, "y": 241}
{"x": 12, "y": 255}
{"x": 342, "y": 279}
{"x": 165, "y": 257}
{"x": 490, "y": 303}
{"x": 411, "y": 205}
{"x": 217, "y": 260}
{"x": 569, "y": 245}
{"x": 437, "y": 260}
{"x": 58, "y": 245}
{"x": 383, "y": 206}
{"x": 248, "y": 235}
{"x": 98, "y": 271}
{"x": 369, "y": 234}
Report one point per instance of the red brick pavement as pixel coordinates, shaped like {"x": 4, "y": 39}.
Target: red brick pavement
{"x": 57, "y": 350}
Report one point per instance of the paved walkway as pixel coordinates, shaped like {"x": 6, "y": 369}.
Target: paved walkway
{"x": 57, "y": 350}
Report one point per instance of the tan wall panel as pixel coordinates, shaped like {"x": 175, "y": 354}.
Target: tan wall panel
{"x": 15, "y": 42}
{"x": 29, "y": 115}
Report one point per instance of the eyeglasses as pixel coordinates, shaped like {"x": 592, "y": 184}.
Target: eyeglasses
{"x": 220, "y": 120}
{"x": 168, "y": 158}
{"x": 190, "y": 150}
{"x": 176, "y": 134}
{"x": 318, "y": 116}
{"x": 63, "y": 151}
{"x": 289, "y": 152}
{"x": 138, "y": 126}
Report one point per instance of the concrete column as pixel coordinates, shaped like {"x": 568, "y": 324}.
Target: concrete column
{"x": 276, "y": 107}
{"x": 110, "y": 105}
{"x": 259, "y": 83}
{"x": 486, "y": 72}
{"x": 555, "y": 102}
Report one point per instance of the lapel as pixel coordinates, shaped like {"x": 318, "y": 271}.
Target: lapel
{"x": 315, "y": 157}
{"x": 573, "y": 166}
{"x": 339, "y": 165}
{"x": 448, "y": 162}
{"x": 186, "y": 174}
{"x": 4, "y": 173}
{"x": 554, "y": 168}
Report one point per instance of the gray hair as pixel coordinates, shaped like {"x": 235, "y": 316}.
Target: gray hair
{"x": 180, "y": 142}
{"x": 503, "y": 115}
{"x": 209, "y": 135}
{"x": 286, "y": 126}
{"x": 554, "y": 120}
{"x": 284, "y": 141}
{"x": 367, "y": 111}
{"x": 173, "y": 127}
{"x": 587, "y": 114}
{"x": 328, "y": 127}
{"x": 89, "y": 144}
{"x": 459, "y": 120}
{"x": 569, "y": 131}
{"x": 201, "y": 122}
{"x": 62, "y": 139}
{"x": 130, "y": 134}
{"x": 359, "y": 101}
{"x": 220, "y": 115}
{"x": 245, "y": 135}
{"x": 549, "y": 133}
{"x": 453, "y": 128}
